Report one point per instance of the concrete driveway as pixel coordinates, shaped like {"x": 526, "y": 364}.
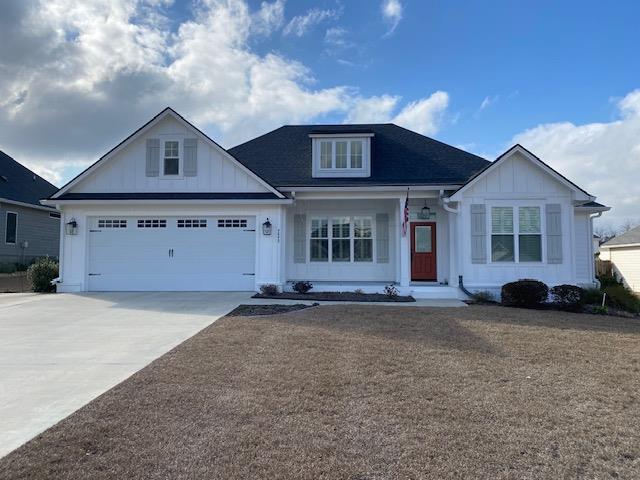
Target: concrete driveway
{"x": 58, "y": 352}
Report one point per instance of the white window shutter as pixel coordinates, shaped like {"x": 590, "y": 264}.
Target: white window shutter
{"x": 382, "y": 237}
{"x": 553, "y": 213}
{"x": 152, "y": 168}
{"x": 478, "y": 233}
{"x": 299, "y": 238}
{"x": 190, "y": 146}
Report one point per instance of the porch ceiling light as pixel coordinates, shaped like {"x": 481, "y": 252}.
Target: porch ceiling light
{"x": 71, "y": 227}
{"x": 266, "y": 227}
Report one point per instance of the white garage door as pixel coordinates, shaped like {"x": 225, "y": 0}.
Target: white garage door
{"x": 172, "y": 253}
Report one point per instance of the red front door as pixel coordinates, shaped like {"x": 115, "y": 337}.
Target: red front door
{"x": 423, "y": 251}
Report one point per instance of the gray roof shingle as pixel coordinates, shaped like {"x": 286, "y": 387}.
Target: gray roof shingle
{"x": 398, "y": 157}
{"x": 20, "y": 184}
{"x": 632, "y": 236}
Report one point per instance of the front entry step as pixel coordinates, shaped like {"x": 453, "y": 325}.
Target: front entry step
{"x": 439, "y": 292}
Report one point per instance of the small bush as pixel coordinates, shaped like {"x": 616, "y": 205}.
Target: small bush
{"x": 568, "y": 297}
{"x": 524, "y": 293}
{"x": 483, "y": 296}
{"x": 618, "y": 296}
{"x": 608, "y": 280}
{"x": 391, "y": 291}
{"x": 41, "y": 273}
{"x": 7, "y": 267}
{"x": 302, "y": 287}
{"x": 599, "y": 309}
{"x": 359, "y": 291}
{"x": 269, "y": 289}
{"x": 592, "y": 296}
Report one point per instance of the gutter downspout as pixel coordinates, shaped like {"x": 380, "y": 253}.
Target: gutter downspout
{"x": 593, "y": 262}
{"x": 462, "y": 287}
{"x": 444, "y": 201}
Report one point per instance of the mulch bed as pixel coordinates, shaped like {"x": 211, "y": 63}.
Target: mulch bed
{"x": 366, "y": 392}
{"x": 338, "y": 297}
{"x": 254, "y": 310}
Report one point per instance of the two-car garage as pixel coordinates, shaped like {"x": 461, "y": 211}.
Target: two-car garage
{"x": 171, "y": 253}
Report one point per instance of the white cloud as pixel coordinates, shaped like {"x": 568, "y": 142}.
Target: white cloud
{"x": 603, "y": 158}
{"x": 78, "y": 77}
{"x": 392, "y": 14}
{"x": 422, "y": 116}
{"x": 300, "y": 24}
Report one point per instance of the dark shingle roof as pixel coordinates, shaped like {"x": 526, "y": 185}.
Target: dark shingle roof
{"x": 398, "y": 157}
{"x": 169, "y": 196}
{"x": 20, "y": 184}
{"x": 632, "y": 236}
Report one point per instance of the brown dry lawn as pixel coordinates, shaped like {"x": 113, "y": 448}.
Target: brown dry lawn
{"x": 366, "y": 392}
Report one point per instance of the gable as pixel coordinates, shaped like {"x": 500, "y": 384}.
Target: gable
{"x": 519, "y": 172}
{"x": 204, "y": 166}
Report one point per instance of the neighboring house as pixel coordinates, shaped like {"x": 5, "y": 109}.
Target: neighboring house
{"x": 624, "y": 253}
{"x": 28, "y": 230}
{"x": 169, "y": 209}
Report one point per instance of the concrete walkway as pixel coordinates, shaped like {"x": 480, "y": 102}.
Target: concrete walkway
{"x": 58, "y": 352}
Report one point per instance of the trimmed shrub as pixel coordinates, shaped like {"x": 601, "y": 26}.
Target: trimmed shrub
{"x": 391, "y": 291}
{"x": 592, "y": 296}
{"x": 619, "y": 296}
{"x": 524, "y": 293}
{"x": 302, "y": 287}
{"x": 483, "y": 296}
{"x": 269, "y": 289}
{"x": 608, "y": 280}
{"x": 41, "y": 273}
{"x": 568, "y": 297}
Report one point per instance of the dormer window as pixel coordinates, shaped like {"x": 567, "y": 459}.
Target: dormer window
{"x": 341, "y": 155}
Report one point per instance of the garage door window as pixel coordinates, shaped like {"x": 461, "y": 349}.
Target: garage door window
{"x": 152, "y": 223}
{"x": 111, "y": 223}
{"x": 232, "y": 223}
{"x": 192, "y": 223}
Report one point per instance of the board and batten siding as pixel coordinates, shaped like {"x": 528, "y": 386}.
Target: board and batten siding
{"x": 517, "y": 182}
{"x": 36, "y": 227}
{"x": 126, "y": 172}
{"x": 626, "y": 264}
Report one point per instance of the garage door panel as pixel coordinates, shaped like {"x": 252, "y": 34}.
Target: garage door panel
{"x": 173, "y": 258}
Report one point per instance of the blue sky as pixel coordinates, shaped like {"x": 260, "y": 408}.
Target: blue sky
{"x": 563, "y": 78}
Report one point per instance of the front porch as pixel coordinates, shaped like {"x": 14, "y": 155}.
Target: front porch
{"x": 359, "y": 243}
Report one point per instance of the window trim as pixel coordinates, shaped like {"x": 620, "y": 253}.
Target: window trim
{"x": 352, "y": 218}
{"x": 55, "y": 215}
{"x": 318, "y": 170}
{"x": 6, "y": 228}
{"x": 171, "y": 176}
{"x": 516, "y": 233}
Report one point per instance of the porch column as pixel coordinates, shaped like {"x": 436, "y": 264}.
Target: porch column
{"x": 405, "y": 254}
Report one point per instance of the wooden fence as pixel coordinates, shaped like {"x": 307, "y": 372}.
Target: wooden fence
{"x": 603, "y": 267}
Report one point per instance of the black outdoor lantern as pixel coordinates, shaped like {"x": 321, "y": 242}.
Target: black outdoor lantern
{"x": 266, "y": 227}
{"x": 72, "y": 227}
{"x": 426, "y": 211}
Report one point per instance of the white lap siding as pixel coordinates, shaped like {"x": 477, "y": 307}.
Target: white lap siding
{"x": 341, "y": 271}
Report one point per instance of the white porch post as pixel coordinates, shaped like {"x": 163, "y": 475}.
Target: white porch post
{"x": 403, "y": 242}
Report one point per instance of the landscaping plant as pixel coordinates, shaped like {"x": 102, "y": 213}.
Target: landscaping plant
{"x": 41, "y": 273}
{"x": 568, "y": 297}
{"x": 619, "y": 296}
{"x": 391, "y": 291}
{"x": 483, "y": 296}
{"x": 269, "y": 289}
{"x": 525, "y": 293}
{"x": 592, "y": 296}
{"x": 302, "y": 287}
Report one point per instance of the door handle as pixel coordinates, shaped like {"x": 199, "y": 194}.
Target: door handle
{"x": 171, "y": 253}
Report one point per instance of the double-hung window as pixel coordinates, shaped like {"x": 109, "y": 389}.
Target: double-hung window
{"x": 341, "y": 239}
{"x": 341, "y": 154}
{"x": 516, "y": 241}
{"x": 319, "y": 240}
{"x": 171, "y": 162}
{"x": 11, "y": 232}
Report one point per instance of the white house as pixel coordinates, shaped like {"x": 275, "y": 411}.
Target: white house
{"x": 624, "y": 253}
{"x": 169, "y": 209}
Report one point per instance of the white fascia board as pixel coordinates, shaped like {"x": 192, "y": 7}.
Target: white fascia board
{"x": 372, "y": 188}
{"x": 591, "y": 209}
{"x": 341, "y": 135}
{"x": 579, "y": 193}
{"x": 54, "y": 202}
{"x": 24, "y": 204}
{"x": 621, "y": 245}
{"x": 145, "y": 128}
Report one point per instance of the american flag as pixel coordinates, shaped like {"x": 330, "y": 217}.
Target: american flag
{"x": 405, "y": 219}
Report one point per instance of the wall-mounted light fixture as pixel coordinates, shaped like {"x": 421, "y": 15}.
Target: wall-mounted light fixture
{"x": 266, "y": 227}
{"x": 425, "y": 212}
{"x": 71, "y": 227}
